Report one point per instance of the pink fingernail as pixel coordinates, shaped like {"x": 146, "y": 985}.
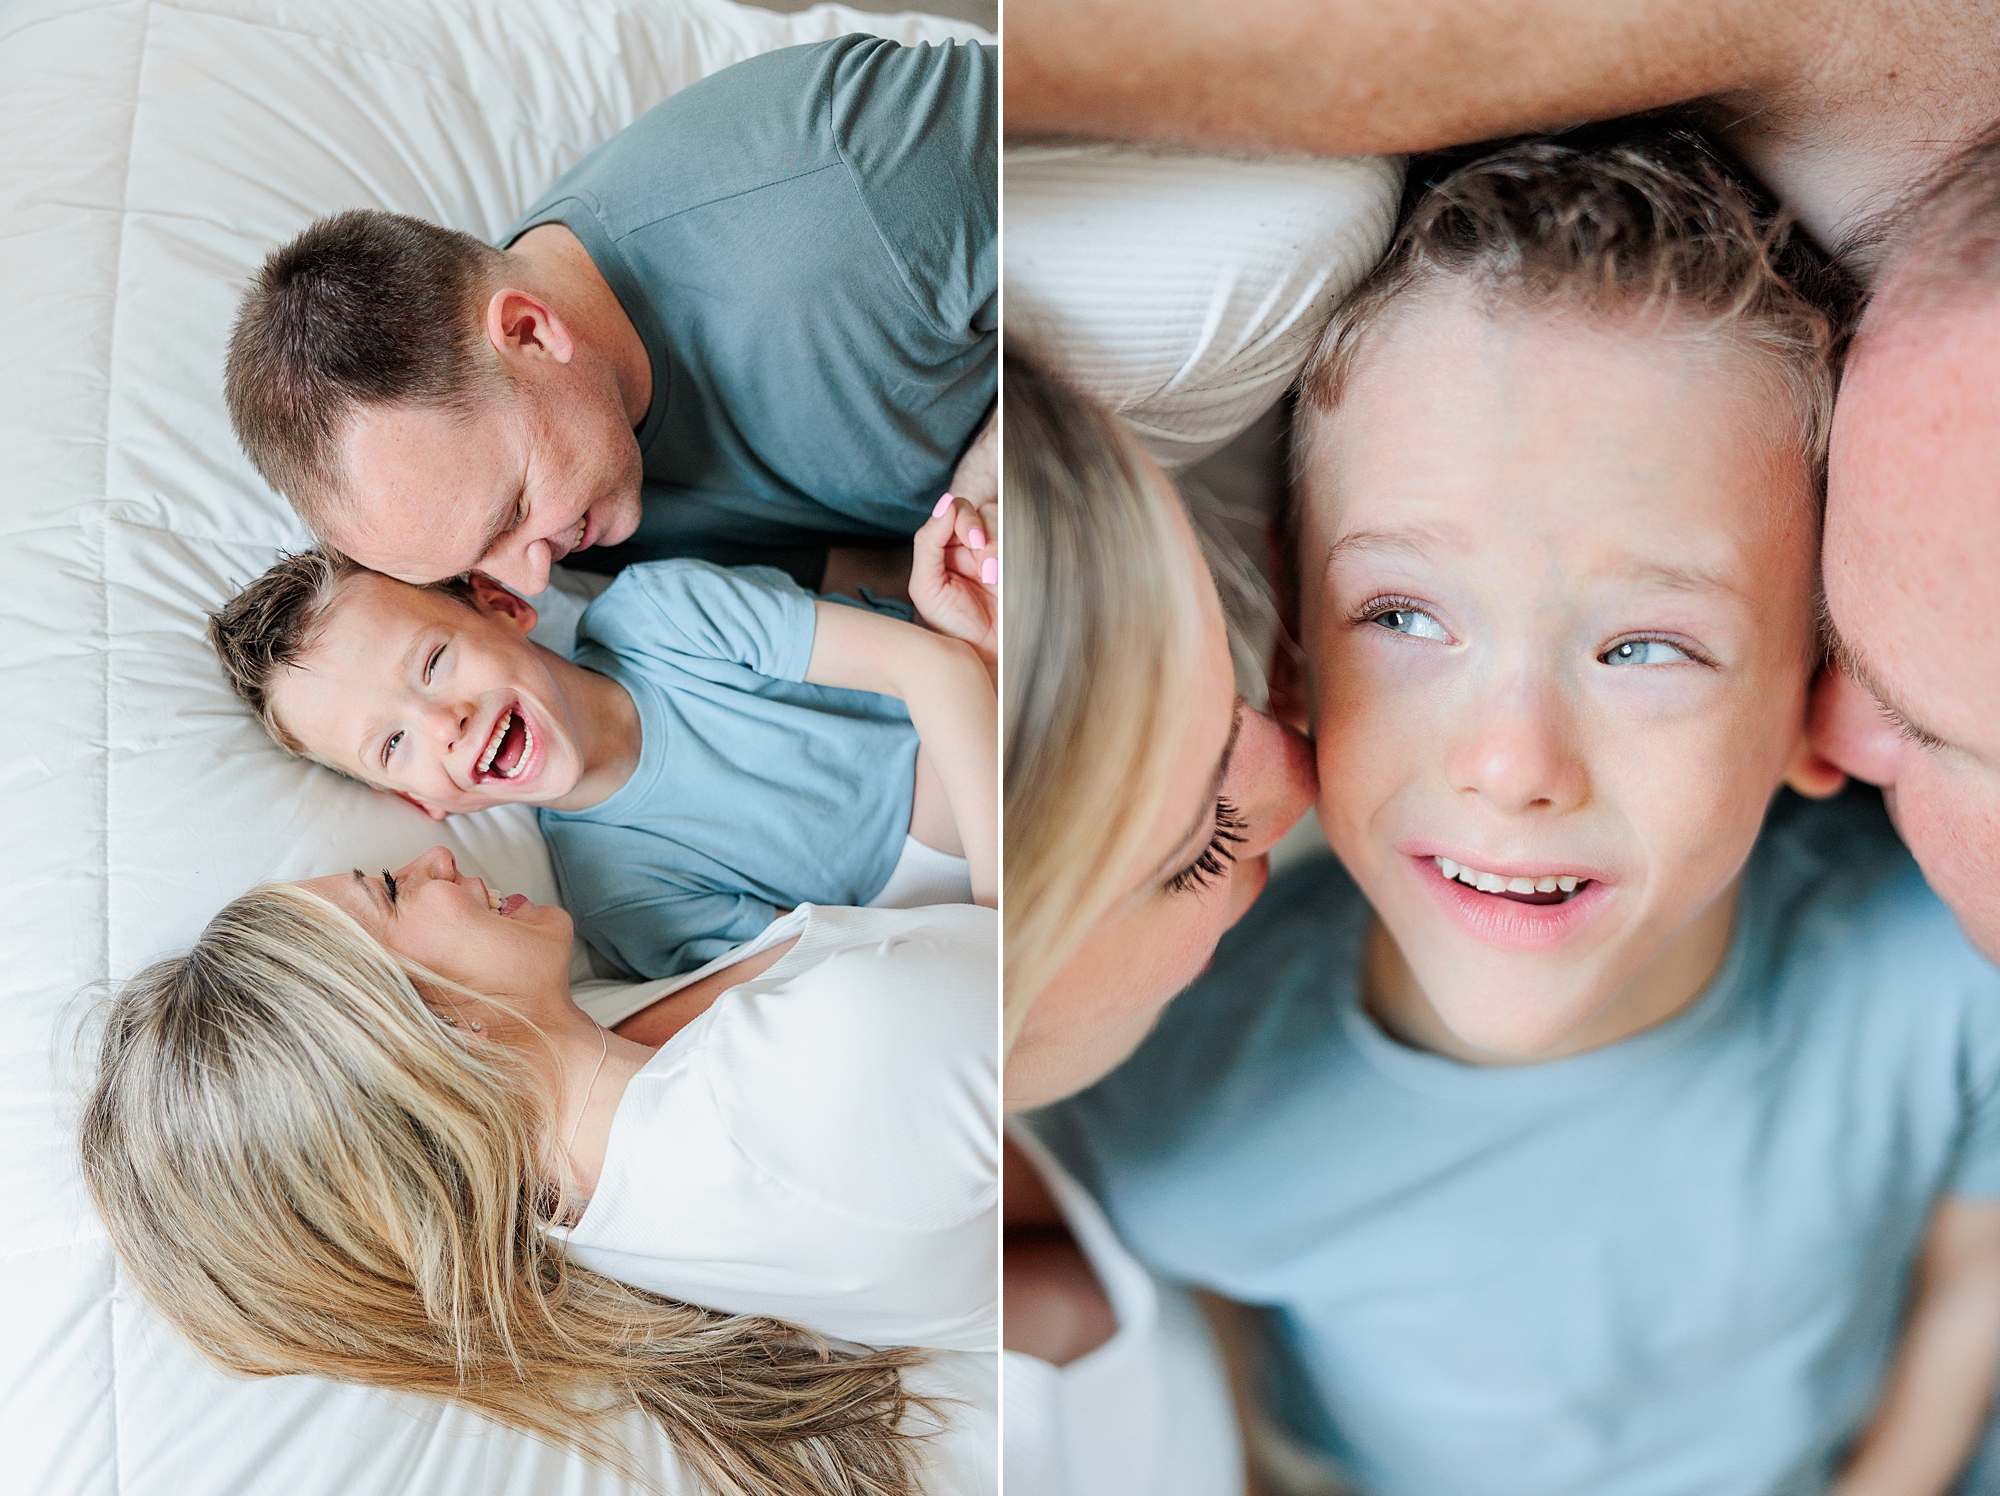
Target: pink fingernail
{"x": 942, "y": 505}
{"x": 989, "y": 570}
{"x": 978, "y": 538}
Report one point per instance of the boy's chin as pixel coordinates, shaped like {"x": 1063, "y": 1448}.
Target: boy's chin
{"x": 1514, "y": 1027}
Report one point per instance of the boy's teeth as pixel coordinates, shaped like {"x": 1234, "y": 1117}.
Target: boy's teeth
{"x": 1494, "y": 883}
{"x": 527, "y": 747}
{"x": 493, "y": 743}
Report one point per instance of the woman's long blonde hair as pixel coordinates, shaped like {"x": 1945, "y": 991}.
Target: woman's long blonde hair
{"x": 307, "y": 1172}
{"x": 1103, "y": 631}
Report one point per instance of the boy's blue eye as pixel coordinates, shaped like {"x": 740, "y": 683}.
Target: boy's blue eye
{"x": 390, "y": 747}
{"x": 1412, "y": 621}
{"x": 1645, "y": 652}
{"x": 431, "y": 664}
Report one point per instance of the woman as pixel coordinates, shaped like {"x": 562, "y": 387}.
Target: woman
{"x": 362, "y": 1131}
{"x": 1142, "y": 794}
{"x": 1142, "y": 798}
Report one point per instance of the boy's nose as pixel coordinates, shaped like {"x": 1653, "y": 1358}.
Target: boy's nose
{"x": 451, "y": 721}
{"x": 1516, "y": 753}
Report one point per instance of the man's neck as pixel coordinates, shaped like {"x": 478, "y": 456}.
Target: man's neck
{"x": 1665, "y": 987}
{"x": 608, "y": 733}
{"x": 562, "y": 272}
{"x": 1888, "y": 96}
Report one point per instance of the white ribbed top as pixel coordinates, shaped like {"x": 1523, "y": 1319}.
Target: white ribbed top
{"x": 1185, "y": 291}
{"x": 822, "y": 1143}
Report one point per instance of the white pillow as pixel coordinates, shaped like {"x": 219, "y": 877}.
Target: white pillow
{"x": 1185, "y": 291}
{"x": 156, "y": 150}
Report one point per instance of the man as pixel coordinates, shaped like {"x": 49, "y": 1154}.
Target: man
{"x": 1840, "y": 106}
{"x": 757, "y": 324}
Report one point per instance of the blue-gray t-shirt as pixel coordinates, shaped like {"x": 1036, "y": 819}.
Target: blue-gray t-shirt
{"x": 808, "y": 244}
{"x": 754, "y": 791}
{"x": 1667, "y": 1267}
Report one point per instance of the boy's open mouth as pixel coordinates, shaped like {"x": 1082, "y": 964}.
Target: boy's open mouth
{"x": 507, "y": 748}
{"x": 1549, "y": 888}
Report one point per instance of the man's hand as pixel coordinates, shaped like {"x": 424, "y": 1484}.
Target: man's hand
{"x": 955, "y": 576}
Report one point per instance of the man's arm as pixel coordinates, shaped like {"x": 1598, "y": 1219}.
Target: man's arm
{"x": 1940, "y": 1391}
{"x": 952, "y": 706}
{"x": 1357, "y": 77}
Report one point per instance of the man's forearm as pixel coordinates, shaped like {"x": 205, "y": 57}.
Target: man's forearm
{"x": 1349, "y": 77}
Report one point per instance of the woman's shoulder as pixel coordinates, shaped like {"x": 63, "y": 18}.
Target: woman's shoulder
{"x": 862, "y": 1069}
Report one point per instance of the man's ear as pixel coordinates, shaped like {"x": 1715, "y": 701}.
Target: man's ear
{"x": 522, "y": 328}
{"x": 495, "y": 601}
{"x": 425, "y": 806}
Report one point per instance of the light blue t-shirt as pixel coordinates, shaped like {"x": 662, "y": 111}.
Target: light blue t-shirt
{"x": 807, "y": 243}
{"x": 754, "y": 791}
{"x": 1669, "y": 1267}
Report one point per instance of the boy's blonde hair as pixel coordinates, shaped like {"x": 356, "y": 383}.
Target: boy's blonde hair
{"x": 268, "y": 627}
{"x": 1611, "y": 220}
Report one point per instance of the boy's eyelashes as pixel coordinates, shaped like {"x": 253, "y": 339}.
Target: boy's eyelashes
{"x": 1397, "y": 614}
{"x": 430, "y": 669}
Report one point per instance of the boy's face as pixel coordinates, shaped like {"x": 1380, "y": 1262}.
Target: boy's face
{"x": 1556, "y": 581}
{"x": 451, "y": 707}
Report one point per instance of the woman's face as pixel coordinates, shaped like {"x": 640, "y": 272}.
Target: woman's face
{"x": 427, "y": 912}
{"x": 1239, "y": 783}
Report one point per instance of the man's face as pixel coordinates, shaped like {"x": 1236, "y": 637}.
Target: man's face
{"x": 545, "y": 468}
{"x": 1913, "y": 585}
{"x": 450, "y": 706}
{"x": 1555, "y": 586}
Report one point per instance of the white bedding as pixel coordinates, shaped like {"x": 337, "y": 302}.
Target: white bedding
{"x": 155, "y": 150}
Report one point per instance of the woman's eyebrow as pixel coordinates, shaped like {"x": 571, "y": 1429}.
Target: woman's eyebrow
{"x": 375, "y": 894}
{"x": 1204, "y": 821}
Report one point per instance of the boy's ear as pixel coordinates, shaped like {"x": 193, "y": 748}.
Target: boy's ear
{"x": 497, "y": 602}
{"x": 1290, "y": 700}
{"x": 428, "y": 809}
{"x": 1810, "y": 772}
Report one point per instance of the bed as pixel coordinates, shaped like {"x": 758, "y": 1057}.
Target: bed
{"x": 155, "y": 151}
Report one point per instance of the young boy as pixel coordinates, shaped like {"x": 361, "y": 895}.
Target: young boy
{"x": 723, "y": 746}
{"x": 1582, "y": 1138}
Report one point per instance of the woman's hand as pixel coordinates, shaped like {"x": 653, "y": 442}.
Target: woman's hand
{"x": 955, "y": 575}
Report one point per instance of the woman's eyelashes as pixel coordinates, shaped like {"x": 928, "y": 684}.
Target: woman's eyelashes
{"x": 389, "y": 883}
{"x": 1215, "y": 858}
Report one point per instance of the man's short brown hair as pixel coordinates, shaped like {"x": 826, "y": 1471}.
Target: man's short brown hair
{"x": 269, "y": 626}
{"x": 364, "y": 308}
{"x": 1620, "y": 216}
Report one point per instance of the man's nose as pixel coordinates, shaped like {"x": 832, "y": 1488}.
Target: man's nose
{"x": 1850, "y": 729}
{"x": 1516, "y": 751}
{"x": 1272, "y": 780}
{"x": 525, "y": 568}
